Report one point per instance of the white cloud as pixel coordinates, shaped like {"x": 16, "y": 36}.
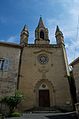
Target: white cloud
{"x": 67, "y": 21}
{"x": 68, "y": 24}
{"x": 13, "y": 39}
{"x": 73, "y": 49}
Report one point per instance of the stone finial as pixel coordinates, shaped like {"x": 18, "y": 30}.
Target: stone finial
{"x": 59, "y": 36}
{"x": 41, "y": 23}
{"x": 58, "y": 32}
{"x": 24, "y": 35}
{"x": 25, "y": 30}
{"x": 57, "y": 29}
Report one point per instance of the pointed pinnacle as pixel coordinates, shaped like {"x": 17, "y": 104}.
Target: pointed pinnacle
{"x": 41, "y": 24}
{"x": 25, "y": 28}
{"x": 58, "y": 31}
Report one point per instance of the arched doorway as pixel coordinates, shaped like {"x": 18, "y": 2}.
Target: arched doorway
{"x": 44, "y": 99}
{"x": 44, "y": 93}
{"x": 44, "y": 96}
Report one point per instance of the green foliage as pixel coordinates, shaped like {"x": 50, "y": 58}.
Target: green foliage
{"x": 15, "y": 114}
{"x": 0, "y": 115}
{"x": 12, "y": 101}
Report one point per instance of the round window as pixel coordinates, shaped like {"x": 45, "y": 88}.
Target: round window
{"x": 43, "y": 59}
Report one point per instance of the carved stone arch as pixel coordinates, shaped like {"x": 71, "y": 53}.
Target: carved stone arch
{"x": 50, "y": 88}
{"x": 46, "y": 81}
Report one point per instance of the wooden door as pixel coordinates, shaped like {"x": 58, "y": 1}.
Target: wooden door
{"x": 44, "y": 98}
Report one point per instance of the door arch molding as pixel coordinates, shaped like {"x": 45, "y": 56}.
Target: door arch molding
{"x": 51, "y": 91}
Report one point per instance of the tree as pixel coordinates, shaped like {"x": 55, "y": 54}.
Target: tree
{"x": 13, "y": 101}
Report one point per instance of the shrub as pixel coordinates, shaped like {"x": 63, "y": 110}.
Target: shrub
{"x": 12, "y": 101}
{"x": 15, "y": 114}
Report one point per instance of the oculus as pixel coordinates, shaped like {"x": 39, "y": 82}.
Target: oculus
{"x": 43, "y": 58}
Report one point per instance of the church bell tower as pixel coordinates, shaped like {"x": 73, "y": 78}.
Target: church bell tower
{"x": 24, "y": 36}
{"x": 59, "y": 36}
{"x": 41, "y": 33}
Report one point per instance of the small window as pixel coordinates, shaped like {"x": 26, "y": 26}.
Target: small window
{"x": 4, "y": 64}
{"x": 42, "y": 34}
{"x": 1, "y": 63}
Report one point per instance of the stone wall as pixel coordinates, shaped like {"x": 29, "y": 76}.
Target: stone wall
{"x": 9, "y": 72}
{"x": 52, "y": 73}
{"x": 76, "y": 77}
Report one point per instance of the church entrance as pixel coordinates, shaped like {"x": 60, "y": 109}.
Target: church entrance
{"x": 44, "y": 98}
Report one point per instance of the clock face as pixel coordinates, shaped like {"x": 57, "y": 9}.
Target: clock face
{"x": 43, "y": 59}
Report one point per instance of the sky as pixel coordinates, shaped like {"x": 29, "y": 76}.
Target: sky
{"x": 14, "y": 14}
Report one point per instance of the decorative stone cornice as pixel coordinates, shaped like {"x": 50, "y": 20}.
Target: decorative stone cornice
{"x": 43, "y": 50}
{"x": 44, "y": 45}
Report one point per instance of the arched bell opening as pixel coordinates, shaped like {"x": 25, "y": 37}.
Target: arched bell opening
{"x": 42, "y": 34}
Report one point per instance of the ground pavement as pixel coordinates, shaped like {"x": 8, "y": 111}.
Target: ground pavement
{"x": 46, "y": 116}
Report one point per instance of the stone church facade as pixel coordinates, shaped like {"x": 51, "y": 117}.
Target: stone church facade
{"x": 38, "y": 70}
